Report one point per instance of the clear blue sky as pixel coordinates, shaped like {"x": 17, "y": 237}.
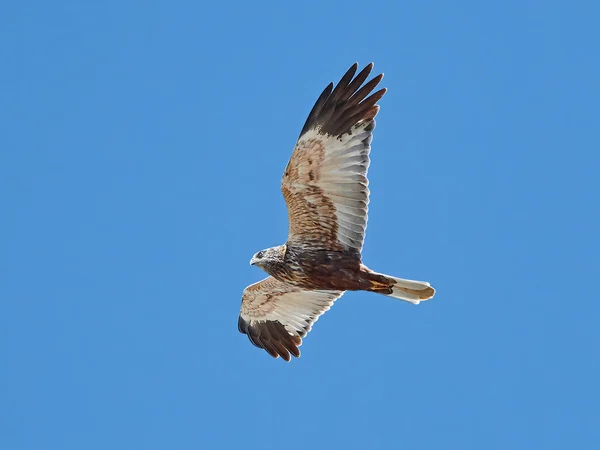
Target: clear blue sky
{"x": 141, "y": 149}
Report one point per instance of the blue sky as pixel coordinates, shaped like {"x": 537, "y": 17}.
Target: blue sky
{"x": 141, "y": 150}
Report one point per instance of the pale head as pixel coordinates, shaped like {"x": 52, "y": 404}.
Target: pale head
{"x": 269, "y": 257}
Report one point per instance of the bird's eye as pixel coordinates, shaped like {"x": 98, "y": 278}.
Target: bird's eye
{"x": 259, "y": 255}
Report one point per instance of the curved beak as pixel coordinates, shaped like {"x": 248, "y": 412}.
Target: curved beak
{"x": 253, "y": 261}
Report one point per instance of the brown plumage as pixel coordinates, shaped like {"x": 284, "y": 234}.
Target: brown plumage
{"x": 326, "y": 190}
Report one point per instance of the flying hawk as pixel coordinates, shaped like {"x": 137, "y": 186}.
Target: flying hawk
{"x": 325, "y": 188}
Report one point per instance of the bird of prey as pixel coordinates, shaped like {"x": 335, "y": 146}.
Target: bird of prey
{"x": 326, "y": 190}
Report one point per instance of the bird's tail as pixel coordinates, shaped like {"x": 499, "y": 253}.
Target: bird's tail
{"x": 408, "y": 290}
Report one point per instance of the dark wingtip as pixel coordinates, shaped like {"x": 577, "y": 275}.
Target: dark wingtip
{"x": 272, "y": 337}
{"x": 340, "y": 107}
{"x": 242, "y": 325}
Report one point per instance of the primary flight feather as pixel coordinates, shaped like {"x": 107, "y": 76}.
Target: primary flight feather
{"x": 325, "y": 187}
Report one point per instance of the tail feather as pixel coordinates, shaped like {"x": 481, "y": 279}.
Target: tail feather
{"x": 411, "y": 291}
{"x": 408, "y": 290}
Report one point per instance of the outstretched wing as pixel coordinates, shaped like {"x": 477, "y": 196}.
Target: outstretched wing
{"x": 325, "y": 182}
{"x": 276, "y": 315}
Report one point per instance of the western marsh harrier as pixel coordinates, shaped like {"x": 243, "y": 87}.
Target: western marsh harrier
{"x": 325, "y": 188}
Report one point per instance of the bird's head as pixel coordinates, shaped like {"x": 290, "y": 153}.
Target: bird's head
{"x": 268, "y": 257}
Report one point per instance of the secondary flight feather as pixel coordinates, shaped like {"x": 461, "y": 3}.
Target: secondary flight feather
{"x": 325, "y": 187}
